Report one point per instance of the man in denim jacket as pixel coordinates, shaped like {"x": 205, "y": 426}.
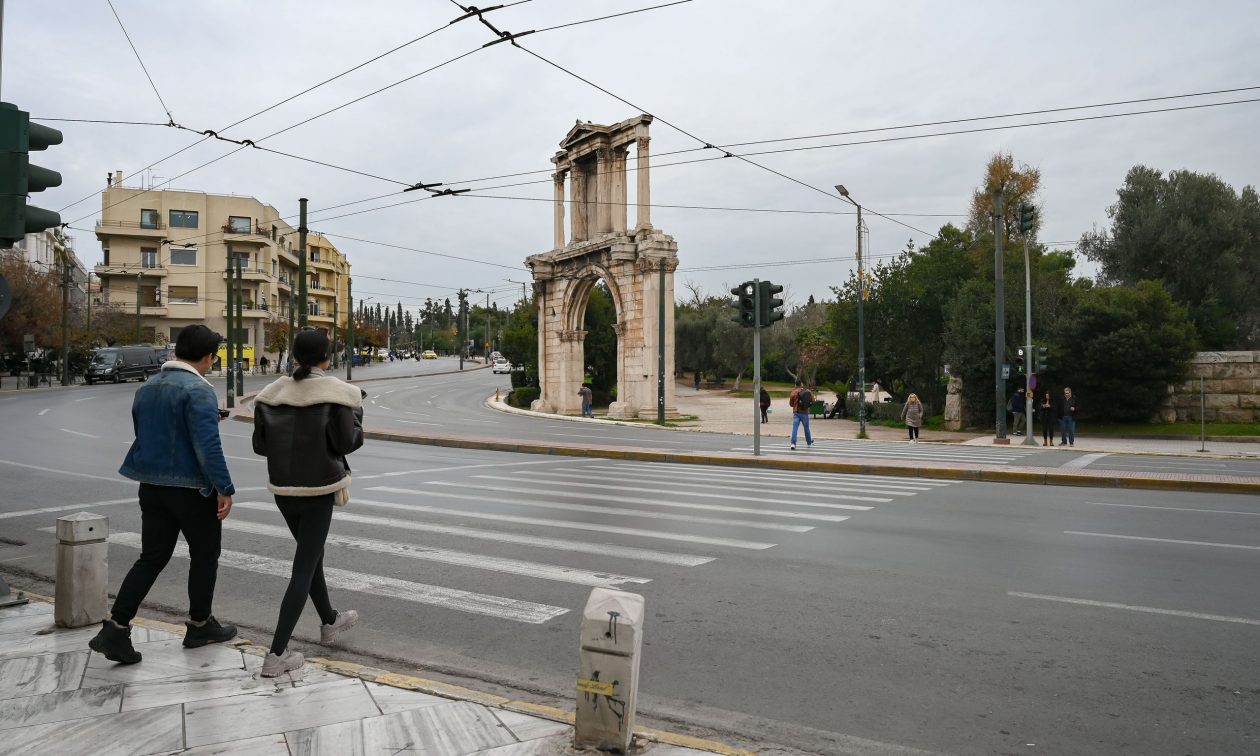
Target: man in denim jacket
{"x": 185, "y": 488}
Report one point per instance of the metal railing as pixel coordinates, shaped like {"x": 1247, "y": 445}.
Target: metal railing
{"x": 156, "y": 225}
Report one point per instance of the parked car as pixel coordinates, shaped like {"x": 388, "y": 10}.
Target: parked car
{"x": 501, "y": 366}
{"x": 122, "y": 363}
{"x": 429, "y": 354}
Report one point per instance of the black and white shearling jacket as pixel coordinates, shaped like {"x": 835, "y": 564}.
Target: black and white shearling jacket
{"x": 305, "y": 429}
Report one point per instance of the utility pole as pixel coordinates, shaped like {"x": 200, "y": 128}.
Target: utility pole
{"x": 231, "y": 337}
{"x": 488, "y": 343}
{"x": 861, "y": 295}
{"x": 999, "y": 311}
{"x": 660, "y": 344}
{"x": 65, "y": 317}
{"x": 302, "y": 309}
{"x": 349, "y": 329}
{"x": 139, "y": 276}
{"x": 240, "y": 327}
{"x": 336, "y": 310}
{"x": 757, "y": 367}
{"x": 1029, "y": 349}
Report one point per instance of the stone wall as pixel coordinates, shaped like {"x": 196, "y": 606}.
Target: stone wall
{"x": 1231, "y": 384}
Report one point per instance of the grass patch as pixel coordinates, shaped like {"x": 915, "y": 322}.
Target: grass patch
{"x": 670, "y": 422}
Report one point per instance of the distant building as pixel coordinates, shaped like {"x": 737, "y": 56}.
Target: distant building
{"x": 46, "y": 250}
{"x": 173, "y": 247}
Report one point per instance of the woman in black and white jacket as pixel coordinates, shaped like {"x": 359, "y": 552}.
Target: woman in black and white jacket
{"x": 305, "y": 426}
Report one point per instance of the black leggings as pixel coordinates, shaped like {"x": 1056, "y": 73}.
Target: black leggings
{"x": 914, "y": 431}
{"x": 308, "y": 518}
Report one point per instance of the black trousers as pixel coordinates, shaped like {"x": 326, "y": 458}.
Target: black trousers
{"x": 764, "y": 417}
{"x": 308, "y": 518}
{"x": 166, "y": 512}
{"x": 914, "y": 431}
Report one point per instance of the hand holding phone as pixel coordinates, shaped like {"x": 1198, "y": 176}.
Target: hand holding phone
{"x": 223, "y": 415}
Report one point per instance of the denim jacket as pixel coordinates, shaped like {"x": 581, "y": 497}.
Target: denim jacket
{"x": 176, "y": 421}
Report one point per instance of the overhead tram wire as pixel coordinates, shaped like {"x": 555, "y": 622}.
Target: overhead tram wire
{"x": 139, "y": 60}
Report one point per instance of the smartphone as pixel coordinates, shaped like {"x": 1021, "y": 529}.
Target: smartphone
{"x": 223, "y": 414}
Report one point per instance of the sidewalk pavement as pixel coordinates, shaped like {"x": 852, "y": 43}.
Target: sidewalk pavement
{"x": 1119, "y": 445}
{"x": 58, "y": 696}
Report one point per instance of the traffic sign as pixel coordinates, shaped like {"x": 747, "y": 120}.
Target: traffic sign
{"x": 1032, "y": 382}
{"x": 1006, "y": 371}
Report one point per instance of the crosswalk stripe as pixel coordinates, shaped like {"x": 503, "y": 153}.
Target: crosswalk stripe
{"x": 619, "y": 512}
{"x": 380, "y": 585}
{"x": 566, "y": 524}
{"x": 697, "y": 481}
{"x": 793, "y": 475}
{"x": 684, "y": 504}
{"x": 790, "y": 502}
{"x": 67, "y": 507}
{"x": 558, "y": 544}
{"x": 446, "y": 556}
{"x": 906, "y": 454}
{"x": 786, "y": 479}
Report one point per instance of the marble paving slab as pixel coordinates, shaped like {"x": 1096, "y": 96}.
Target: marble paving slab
{"x": 550, "y": 746}
{"x": 26, "y": 623}
{"x": 132, "y": 733}
{"x": 39, "y": 675}
{"x": 23, "y": 610}
{"x": 266, "y": 745}
{"x": 198, "y": 686}
{"x": 276, "y": 711}
{"x": 391, "y": 700}
{"x": 525, "y": 727}
{"x": 310, "y": 674}
{"x": 57, "y": 707}
{"x": 457, "y": 727}
{"x": 163, "y": 659}
{"x": 31, "y": 643}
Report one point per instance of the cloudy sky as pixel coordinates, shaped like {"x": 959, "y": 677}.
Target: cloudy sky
{"x": 726, "y": 71}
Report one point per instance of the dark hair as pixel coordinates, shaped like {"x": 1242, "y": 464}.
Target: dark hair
{"x": 310, "y": 348}
{"x": 195, "y": 342}
{"x": 799, "y": 382}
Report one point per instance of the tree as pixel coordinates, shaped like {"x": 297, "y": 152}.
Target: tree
{"x": 520, "y": 342}
{"x": 35, "y": 308}
{"x": 600, "y": 349}
{"x": 1199, "y": 237}
{"x": 1018, "y": 184}
{"x": 1124, "y": 347}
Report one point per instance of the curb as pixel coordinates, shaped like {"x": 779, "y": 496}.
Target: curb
{"x": 443, "y": 689}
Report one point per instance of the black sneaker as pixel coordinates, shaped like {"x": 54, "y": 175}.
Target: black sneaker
{"x": 114, "y": 643}
{"x": 211, "y": 632}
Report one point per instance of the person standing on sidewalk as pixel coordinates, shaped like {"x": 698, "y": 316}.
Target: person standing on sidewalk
{"x": 587, "y": 397}
{"x": 912, "y": 413}
{"x": 764, "y": 401}
{"x": 185, "y": 488}
{"x": 1019, "y": 408}
{"x": 305, "y": 425}
{"x": 1048, "y": 418}
{"x": 801, "y": 400}
{"x": 1066, "y": 411}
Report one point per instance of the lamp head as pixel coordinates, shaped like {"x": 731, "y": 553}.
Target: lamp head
{"x": 843, "y": 192}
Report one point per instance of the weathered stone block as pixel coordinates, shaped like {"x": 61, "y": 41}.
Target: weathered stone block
{"x": 1237, "y": 386}
{"x": 1235, "y": 416}
{"x": 1249, "y": 401}
{"x": 1221, "y": 401}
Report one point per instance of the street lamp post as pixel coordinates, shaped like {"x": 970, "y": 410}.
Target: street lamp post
{"x": 861, "y": 318}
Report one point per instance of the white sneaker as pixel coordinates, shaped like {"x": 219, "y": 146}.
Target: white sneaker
{"x": 345, "y": 620}
{"x": 274, "y": 666}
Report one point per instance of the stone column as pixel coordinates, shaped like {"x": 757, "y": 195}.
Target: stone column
{"x": 558, "y": 176}
{"x": 603, "y": 192}
{"x": 542, "y": 403}
{"x": 618, "y": 206}
{"x": 643, "y": 213}
{"x": 577, "y": 197}
{"x": 82, "y": 570}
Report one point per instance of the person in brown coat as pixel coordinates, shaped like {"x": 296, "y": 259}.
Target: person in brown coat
{"x": 912, "y": 413}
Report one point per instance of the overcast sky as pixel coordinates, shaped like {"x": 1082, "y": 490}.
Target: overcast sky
{"x": 724, "y": 70}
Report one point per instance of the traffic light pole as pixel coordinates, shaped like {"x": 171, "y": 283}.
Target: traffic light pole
{"x": 660, "y": 345}
{"x": 1030, "y": 359}
{"x": 229, "y": 353}
{"x": 757, "y": 367}
{"x": 349, "y": 329}
{"x": 861, "y": 330}
{"x": 999, "y": 309}
{"x": 302, "y": 308}
{"x": 238, "y": 373}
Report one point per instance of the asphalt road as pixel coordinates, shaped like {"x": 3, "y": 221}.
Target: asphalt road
{"x": 805, "y": 609}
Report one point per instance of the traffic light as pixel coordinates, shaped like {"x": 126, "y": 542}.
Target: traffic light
{"x": 1027, "y": 217}
{"x": 1019, "y": 360}
{"x": 18, "y": 177}
{"x": 770, "y": 303}
{"x": 1043, "y": 360}
{"x": 745, "y": 304}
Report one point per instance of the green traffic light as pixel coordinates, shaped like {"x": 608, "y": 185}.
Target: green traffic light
{"x": 18, "y": 177}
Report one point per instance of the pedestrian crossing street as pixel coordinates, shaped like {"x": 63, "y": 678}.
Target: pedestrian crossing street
{"x": 900, "y": 450}
{"x": 580, "y": 523}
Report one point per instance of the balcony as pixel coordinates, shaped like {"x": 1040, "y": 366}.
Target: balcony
{"x": 251, "y": 273}
{"x": 288, "y": 256}
{"x": 131, "y": 269}
{"x": 286, "y": 284}
{"x": 323, "y": 317}
{"x": 323, "y": 264}
{"x": 155, "y": 229}
{"x": 250, "y": 310}
{"x": 246, "y": 233}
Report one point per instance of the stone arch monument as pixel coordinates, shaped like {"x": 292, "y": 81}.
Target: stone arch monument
{"x": 593, "y": 160}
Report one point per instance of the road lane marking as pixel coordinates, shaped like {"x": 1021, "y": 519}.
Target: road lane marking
{"x": 244, "y": 459}
{"x": 72, "y": 474}
{"x": 793, "y": 476}
{"x": 712, "y": 483}
{"x": 619, "y": 512}
{"x": 456, "y": 467}
{"x": 379, "y": 585}
{"x": 789, "y": 502}
{"x": 457, "y": 558}
{"x": 1164, "y": 540}
{"x": 1133, "y": 608}
{"x": 44, "y": 411}
{"x": 558, "y": 544}
{"x": 675, "y": 504}
{"x": 1175, "y": 509}
{"x": 793, "y": 484}
{"x": 572, "y": 525}
{"x": 67, "y": 507}
{"x": 77, "y": 433}
{"x": 412, "y": 422}
{"x": 85, "y": 399}
{"x": 1083, "y": 461}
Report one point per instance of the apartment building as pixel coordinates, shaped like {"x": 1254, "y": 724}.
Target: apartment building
{"x": 171, "y": 249}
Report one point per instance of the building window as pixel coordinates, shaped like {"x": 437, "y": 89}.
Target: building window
{"x": 183, "y": 219}
{"x": 105, "y": 254}
{"x": 242, "y": 260}
{"x": 149, "y": 219}
{"x": 315, "y": 281}
{"x": 314, "y": 254}
{"x": 175, "y": 333}
{"x": 149, "y": 296}
{"x": 182, "y": 294}
{"x": 239, "y": 224}
{"x": 183, "y": 256}
{"x": 273, "y": 267}
{"x": 312, "y": 308}
{"x": 274, "y": 231}
{"x": 148, "y": 257}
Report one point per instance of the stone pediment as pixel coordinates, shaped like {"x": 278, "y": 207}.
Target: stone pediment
{"x": 584, "y": 130}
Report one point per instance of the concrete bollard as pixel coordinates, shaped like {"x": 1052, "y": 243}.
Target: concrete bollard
{"x": 608, "y": 681}
{"x": 82, "y": 569}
